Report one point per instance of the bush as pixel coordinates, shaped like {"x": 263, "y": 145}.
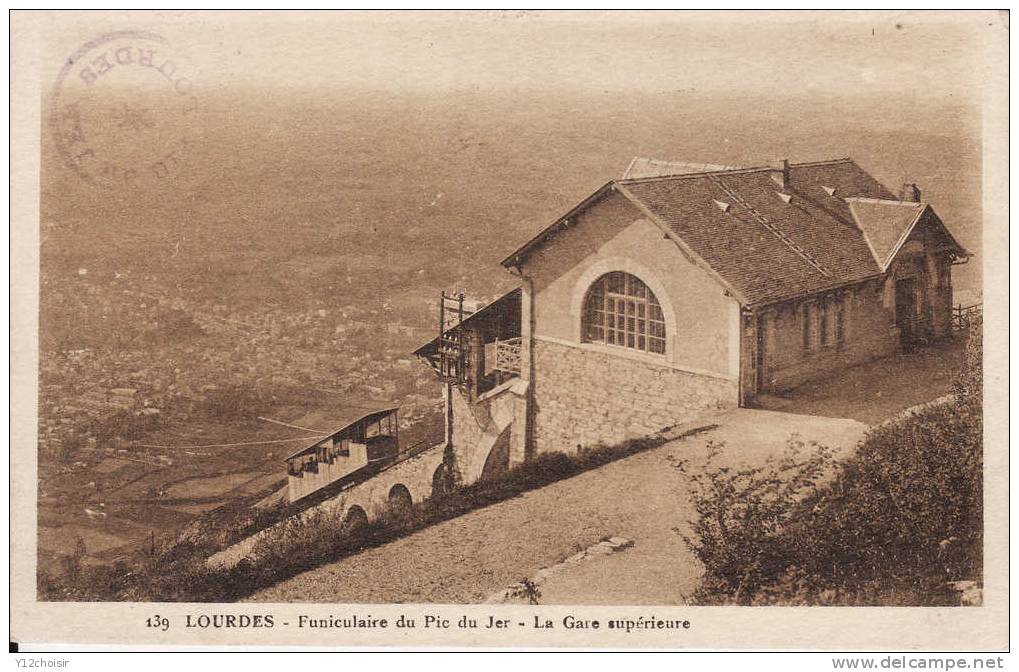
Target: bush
{"x": 742, "y": 534}
{"x": 894, "y": 524}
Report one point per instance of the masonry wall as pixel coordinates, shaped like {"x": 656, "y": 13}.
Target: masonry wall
{"x": 870, "y": 333}
{"x": 589, "y": 393}
{"x": 372, "y": 496}
{"x": 870, "y": 329}
{"x": 478, "y": 425}
{"x": 583, "y": 398}
{"x": 415, "y": 474}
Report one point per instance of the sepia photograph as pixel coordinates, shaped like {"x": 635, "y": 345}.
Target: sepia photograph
{"x": 508, "y": 310}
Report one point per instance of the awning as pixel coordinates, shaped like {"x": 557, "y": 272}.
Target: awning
{"x": 510, "y": 301}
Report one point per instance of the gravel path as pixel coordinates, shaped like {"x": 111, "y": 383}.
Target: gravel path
{"x": 641, "y": 498}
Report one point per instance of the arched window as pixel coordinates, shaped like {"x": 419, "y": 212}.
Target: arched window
{"x": 621, "y": 310}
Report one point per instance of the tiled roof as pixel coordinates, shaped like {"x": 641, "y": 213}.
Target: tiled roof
{"x": 771, "y": 243}
{"x": 767, "y": 247}
{"x": 884, "y": 223}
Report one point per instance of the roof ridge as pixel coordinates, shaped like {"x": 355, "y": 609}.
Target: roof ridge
{"x": 882, "y": 201}
{"x": 727, "y": 171}
{"x": 731, "y": 171}
{"x": 823, "y": 162}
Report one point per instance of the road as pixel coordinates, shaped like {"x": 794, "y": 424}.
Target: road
{"x": 641, "y": 498}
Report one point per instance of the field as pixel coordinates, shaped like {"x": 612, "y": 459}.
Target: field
{"x": 297, "y": 260}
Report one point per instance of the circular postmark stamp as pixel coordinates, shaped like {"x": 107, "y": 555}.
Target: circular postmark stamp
{"x": 123, "y": 110}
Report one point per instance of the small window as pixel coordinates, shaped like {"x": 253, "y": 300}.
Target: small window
{"x": 806, "y": 329}
{"x": 840, "y": 323}
{"x": 825, "y": 332}
{"x": 341, "y": 448}
{"x": 944, "y": 271}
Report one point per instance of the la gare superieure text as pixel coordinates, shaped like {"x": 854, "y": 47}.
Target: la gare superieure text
{"x": 430, "y": 621}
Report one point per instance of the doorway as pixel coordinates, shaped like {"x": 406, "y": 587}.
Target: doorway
{"x": 905, "y": 311}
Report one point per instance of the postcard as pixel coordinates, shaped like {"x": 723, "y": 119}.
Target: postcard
{"x": 510, "y": 329}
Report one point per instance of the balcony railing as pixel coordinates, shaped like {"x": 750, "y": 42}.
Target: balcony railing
{"x": 507, "y": 356}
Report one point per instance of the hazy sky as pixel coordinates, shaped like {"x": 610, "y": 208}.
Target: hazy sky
{"x": 926, "y": 54}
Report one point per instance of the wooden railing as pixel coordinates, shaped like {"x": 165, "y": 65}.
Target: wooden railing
{"x": 507, "y": 356}
{"x": 963, "y": 317}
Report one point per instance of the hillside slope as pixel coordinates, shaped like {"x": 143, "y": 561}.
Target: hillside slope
{"x": 641, "y": 498}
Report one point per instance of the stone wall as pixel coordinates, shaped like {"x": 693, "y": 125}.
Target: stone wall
{"x": 478, "y": 425}
{"x": 415, "y": 474}
{"x": 372, "y": 496}
{"x": 584, "y": 397}
{"x": 932, "y": 274}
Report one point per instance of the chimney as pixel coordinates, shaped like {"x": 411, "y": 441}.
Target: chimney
{"x": 780, "y": 172}
{"x": 910, "y": 192}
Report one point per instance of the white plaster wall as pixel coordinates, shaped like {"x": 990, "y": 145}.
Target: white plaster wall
{"x": 614, "y": 236}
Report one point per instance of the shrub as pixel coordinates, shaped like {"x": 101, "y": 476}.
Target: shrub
{"x": 894, "y": 524}
{"x": 744, "y": 516}
{"x": 969, "y": 383}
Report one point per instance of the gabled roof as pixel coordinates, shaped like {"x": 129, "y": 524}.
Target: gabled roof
{"x": 887, "y": 224}
{"x": 349, "y": 418}
{"x": 772, "y": 242}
